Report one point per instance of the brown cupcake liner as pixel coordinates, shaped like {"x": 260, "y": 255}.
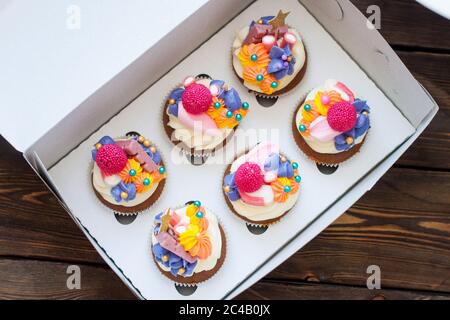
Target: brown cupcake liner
{"x": 264, "y": 223}
{"x": 327, "y": 159}
{"x": 134, "y": 210}
{"x": 203, "y": 276}
{"x": 282, "y": 92}
{"x": 180, "y": 145}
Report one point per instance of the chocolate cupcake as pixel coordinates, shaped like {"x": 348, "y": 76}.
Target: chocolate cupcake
{"x": 201, "y": 115}
{"x": 188, "y": 243}
{"x": 268, "y": 56}
{"x": 262, "y": 185}
{"x": 128, "y": 173}
{"x": 331, "y": 124}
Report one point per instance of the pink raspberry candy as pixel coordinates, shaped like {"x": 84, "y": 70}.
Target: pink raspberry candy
{"x": 111, "y": 159}
{"x": 248, "y": 177}
{"x": 196, "y": 98}
{"x": 341, "y": 116}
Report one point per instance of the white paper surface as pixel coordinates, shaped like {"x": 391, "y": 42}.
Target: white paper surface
{"x": 129, "y": 245}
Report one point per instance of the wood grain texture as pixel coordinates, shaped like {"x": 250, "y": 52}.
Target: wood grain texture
{"x": 402, "y": 225}
{"x": 31, "y": 279}
{"x": 407, "y": 23}
{"x": 269, "y": 290}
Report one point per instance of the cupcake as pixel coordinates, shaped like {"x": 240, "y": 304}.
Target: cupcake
{"x": 331, "y": 124}
{"x": 128, "y": 174}
{"x": 262, "y": 185}
{"x": 188, "y": 243}
{"x": 201, "y": 115}
{"x": 268, "y": 56}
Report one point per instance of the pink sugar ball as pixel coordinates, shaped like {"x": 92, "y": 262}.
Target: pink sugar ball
{"x": 341, "y": 116}
{"x": 196, "y": 98}
{"x": 111, "y": 159}
{"x": 248, "y": 177}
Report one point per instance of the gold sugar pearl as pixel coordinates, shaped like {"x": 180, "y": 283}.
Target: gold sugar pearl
{"x": 226, "y": 188}
{"x": 283, "y": 159}
{"x": 365, "y": 113}
{"x": 181, "y": 270}
{"x": 141, "y": 139}
{"x": 98, "y": 146}
{"x": 147, "y": 143}
{"x": 152, "y": 149}
{"x": 123, "y": 195}
{"x": 172, "y": 101}
{"x": 165, "y": 258}
{"x": 260, "y": 21}
{"x": 289, "y": 59}
{"x": 349, "y": 140}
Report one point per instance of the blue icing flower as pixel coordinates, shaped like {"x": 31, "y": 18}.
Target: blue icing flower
{"x": 157, "y": 223}
{"x": 272, "y": 162}
{"x": 232, "y": 99}
{"x": 129, "y": 188}
{"x": 176, "y": 95}
{"x": 104, "y": 140}
{"x": 233, "y": 194}
{"x": 282, "y": 62}
{"x": 173, "y": 262}
{"x": 285, "y": 169}
{"x": 265, "y": 20}
{"x": 361, "y": 126}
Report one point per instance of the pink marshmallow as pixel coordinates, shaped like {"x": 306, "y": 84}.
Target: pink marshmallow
{"x": 269, "y": 41}
{"x": 290, "y": 39}
{"x": 320, "y": 129}
{"x": 201, "y": 121}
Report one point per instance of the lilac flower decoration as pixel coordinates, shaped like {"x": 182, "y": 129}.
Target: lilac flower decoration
{"x": 284, "y": 169}
{"x": 362, "y": 124}
{"x": 232, "y": 100}
{"x": 233, "y": 193}
{"x": 173, "y": 262}
{"x": 129, "y": 188}
{"x": 176, "y": 95}
{"x": 282, "y": 62}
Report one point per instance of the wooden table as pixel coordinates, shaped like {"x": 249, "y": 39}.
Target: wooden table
{"x": 401, "y": 225}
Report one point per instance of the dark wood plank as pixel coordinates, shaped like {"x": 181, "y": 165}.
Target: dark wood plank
{"x": 31, "y": 279}
{"x": 402, "y": 225}
{"x": 32, "y": 223}
{"x": 265, "y": 290}
{"x": 407, "y": 23}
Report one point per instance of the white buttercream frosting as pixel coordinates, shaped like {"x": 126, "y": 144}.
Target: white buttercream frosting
{"x": 215, "y": 236}
{"x": 324, "y": 146}
{"x": 298, "y": 51}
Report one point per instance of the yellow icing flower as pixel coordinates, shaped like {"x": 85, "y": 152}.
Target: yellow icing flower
{"x": 309, "y": 111}
{"x": 131, "y": 171}
{"x": 324, "y": 100}
{"x": 196, "y": 242}
{"x": 144, "y": 182}
{"x": 254, "y": 54}
{"x": 197, "y": 216}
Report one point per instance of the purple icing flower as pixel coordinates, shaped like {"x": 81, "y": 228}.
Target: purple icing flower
{"x": 284, "y": 168}
{"x": 265, "y": 20}
{"x": 282, "y": 62}
{"x": 175, "y": 95}
{"x": 233, "y": 193}
{"x": 346, "y": 140}
{"x": 173, "y": 261}
{"x": 231, "y": 99}
{"x": 129, "y": 188}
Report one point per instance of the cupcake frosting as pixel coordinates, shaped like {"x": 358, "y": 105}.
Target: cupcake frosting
{"x": 187, "y": 240}
{"x": 262, "y": 184}
{"x": 267, "y": 54}
{"x": 126, "y": 171}
{"x": 204, "y": 112}
{"x": 331, "y": 120}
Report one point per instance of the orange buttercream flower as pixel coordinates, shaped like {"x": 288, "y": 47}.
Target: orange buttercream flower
{"x": 254, "y": 74}
{"x": 269, "y": 84}
{"x": 283, "y": 187}
{"x": 254, "y": 54}
{"x": 131, "y": 171}
{"x": 196, "y": 242}
{"x": 324, "y": 100}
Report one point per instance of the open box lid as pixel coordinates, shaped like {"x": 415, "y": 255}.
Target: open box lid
{"x": 55, "y": 55}
{"x": 63, "y": 83}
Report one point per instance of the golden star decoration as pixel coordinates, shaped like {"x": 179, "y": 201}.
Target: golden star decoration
{"x": 278, "y": 21}
{"x": 165, "y": 219}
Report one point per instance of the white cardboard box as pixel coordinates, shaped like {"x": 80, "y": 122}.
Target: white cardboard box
{"x": 105, "y": 77}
